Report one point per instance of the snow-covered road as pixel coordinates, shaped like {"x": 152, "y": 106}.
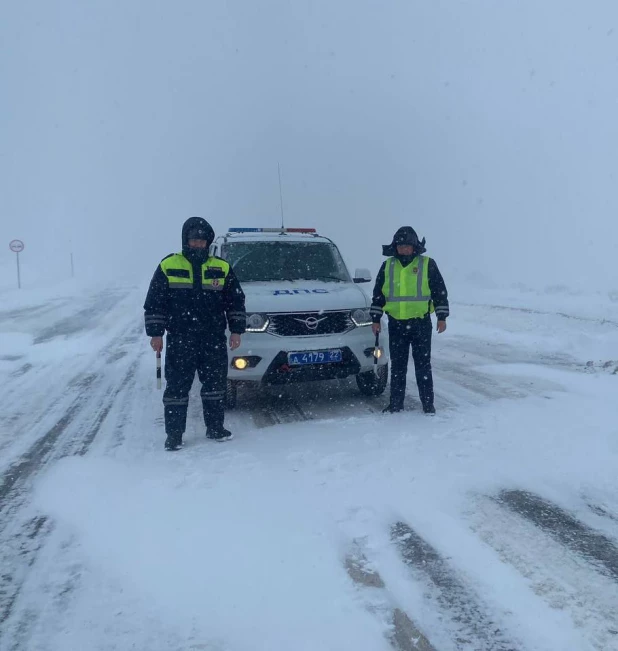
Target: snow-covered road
{"x": 324, "y": 525}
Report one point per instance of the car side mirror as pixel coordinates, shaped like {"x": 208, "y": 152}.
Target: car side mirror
{"x": 362, "y": 276}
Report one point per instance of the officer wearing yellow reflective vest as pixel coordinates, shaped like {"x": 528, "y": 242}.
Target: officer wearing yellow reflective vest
{"x": 194, "y": 296}
{"x": 409, "y": 287}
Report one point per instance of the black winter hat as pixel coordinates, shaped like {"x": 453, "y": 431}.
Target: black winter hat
{"x": 404, "y": 235}
{"x": 197, "y": 228}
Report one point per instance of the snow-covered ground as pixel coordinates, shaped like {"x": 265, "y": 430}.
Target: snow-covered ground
{"x": 324, "y": 525}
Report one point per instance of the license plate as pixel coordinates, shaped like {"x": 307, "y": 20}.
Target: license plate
{"x": 315, "y": 357}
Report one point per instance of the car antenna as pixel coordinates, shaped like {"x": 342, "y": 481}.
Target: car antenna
{"x": 280, "y": 197}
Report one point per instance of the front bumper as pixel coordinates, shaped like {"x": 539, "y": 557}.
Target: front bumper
{"x": 268, "y": 355}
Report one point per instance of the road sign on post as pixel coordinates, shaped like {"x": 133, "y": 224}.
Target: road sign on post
{"x": 17, "y": 246}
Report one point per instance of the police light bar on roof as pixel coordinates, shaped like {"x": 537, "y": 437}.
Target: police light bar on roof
{"x": 271, "y": 230}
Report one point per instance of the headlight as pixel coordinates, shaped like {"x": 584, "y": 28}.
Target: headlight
{"x": 257, "y": 322}
{"x": 361, "y": 317}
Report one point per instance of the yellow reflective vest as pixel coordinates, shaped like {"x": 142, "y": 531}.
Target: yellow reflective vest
{"x": 179, "y": 273}
{"x": 406, "y": 289}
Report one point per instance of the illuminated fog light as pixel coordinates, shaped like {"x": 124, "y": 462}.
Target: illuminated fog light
{"x": 377, "y": 353}
{"x": 240, "y": 363}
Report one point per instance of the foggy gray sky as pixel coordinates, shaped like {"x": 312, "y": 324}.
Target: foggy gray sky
{"x": 490, "y": 126}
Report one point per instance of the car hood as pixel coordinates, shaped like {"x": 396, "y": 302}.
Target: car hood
{"x": 303, "y": 296}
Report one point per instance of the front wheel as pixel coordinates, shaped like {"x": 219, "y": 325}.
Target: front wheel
{"x": 231, "y": 394}
{"x": 373, "y": 384}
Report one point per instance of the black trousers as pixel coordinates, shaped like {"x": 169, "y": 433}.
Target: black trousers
{"x": 184, "y": 355}
{"x": 402, "y": 335}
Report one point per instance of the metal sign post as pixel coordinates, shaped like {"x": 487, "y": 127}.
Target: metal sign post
{"x": 17, "y": 246}
{"x": 71, "y": 252}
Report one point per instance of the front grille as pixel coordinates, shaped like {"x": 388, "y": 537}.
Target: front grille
{"x": 308, "y": 324}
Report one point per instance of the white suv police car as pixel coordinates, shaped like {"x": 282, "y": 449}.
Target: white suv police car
{"x": 307, "y": 319}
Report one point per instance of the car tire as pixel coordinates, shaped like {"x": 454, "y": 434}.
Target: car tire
{"x": 231, "y": 394}
{"x": 373, "y": 384}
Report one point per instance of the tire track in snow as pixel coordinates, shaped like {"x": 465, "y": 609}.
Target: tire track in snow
{"x": 19, "y": 472}
{"x": 296, "y": 403}
{"x": 557, "y": 573}
{"x": 22, "y": 370}
{"x": 72, "y": 434}
{"x": 597, "y": 548}
{"x": 26, "y": 410}
{"x": 477, "y": 351}
{"x": 603, "y": 511}
{"x": 403, "y": 635}
{"x": 134, "y": 395}
{"x": 34, "y": 413}
{"x": 460, "y": 380}
{"x": 109, "y": 403}
{"x": 18, "y": 554}
{"x": 528, "y": 310}
{"x": 463, "y": 371}
{"x": 269, "y": 415}
{"x": 61, "y": 584}
{"x": 472, "y": 627}
{"x": 31, "y": 312}
{"x": 84, "y": 319}
{"x": 65, "y": 422}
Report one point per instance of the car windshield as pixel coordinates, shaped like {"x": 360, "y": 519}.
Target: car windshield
{"x": 277, "y": 261}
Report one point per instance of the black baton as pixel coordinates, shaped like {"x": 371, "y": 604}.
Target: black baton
{"x": 376, "y": 353}
{"x": 158, "y": 369}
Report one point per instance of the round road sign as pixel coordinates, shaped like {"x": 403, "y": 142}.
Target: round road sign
{"x": 16, "y": 245}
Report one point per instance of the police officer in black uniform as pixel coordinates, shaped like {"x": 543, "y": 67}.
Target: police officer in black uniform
{"x": 193, "y": 296}
{"x": 408, "y": 288}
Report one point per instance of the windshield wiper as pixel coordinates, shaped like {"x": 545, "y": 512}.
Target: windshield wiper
{"x": 268, "y": 280}
{"x": 325, "y": 278}
{"x": 291, "y": 280}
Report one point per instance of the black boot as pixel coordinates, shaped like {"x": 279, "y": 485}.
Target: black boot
{"x": 220, "y": 435}
{"x": 392, "y": 409}
{"x": 173, "y": 442}
{"x": 429, "y": 409}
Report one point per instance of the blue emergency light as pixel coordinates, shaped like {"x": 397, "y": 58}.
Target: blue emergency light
{"x": 271, "y": 230}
